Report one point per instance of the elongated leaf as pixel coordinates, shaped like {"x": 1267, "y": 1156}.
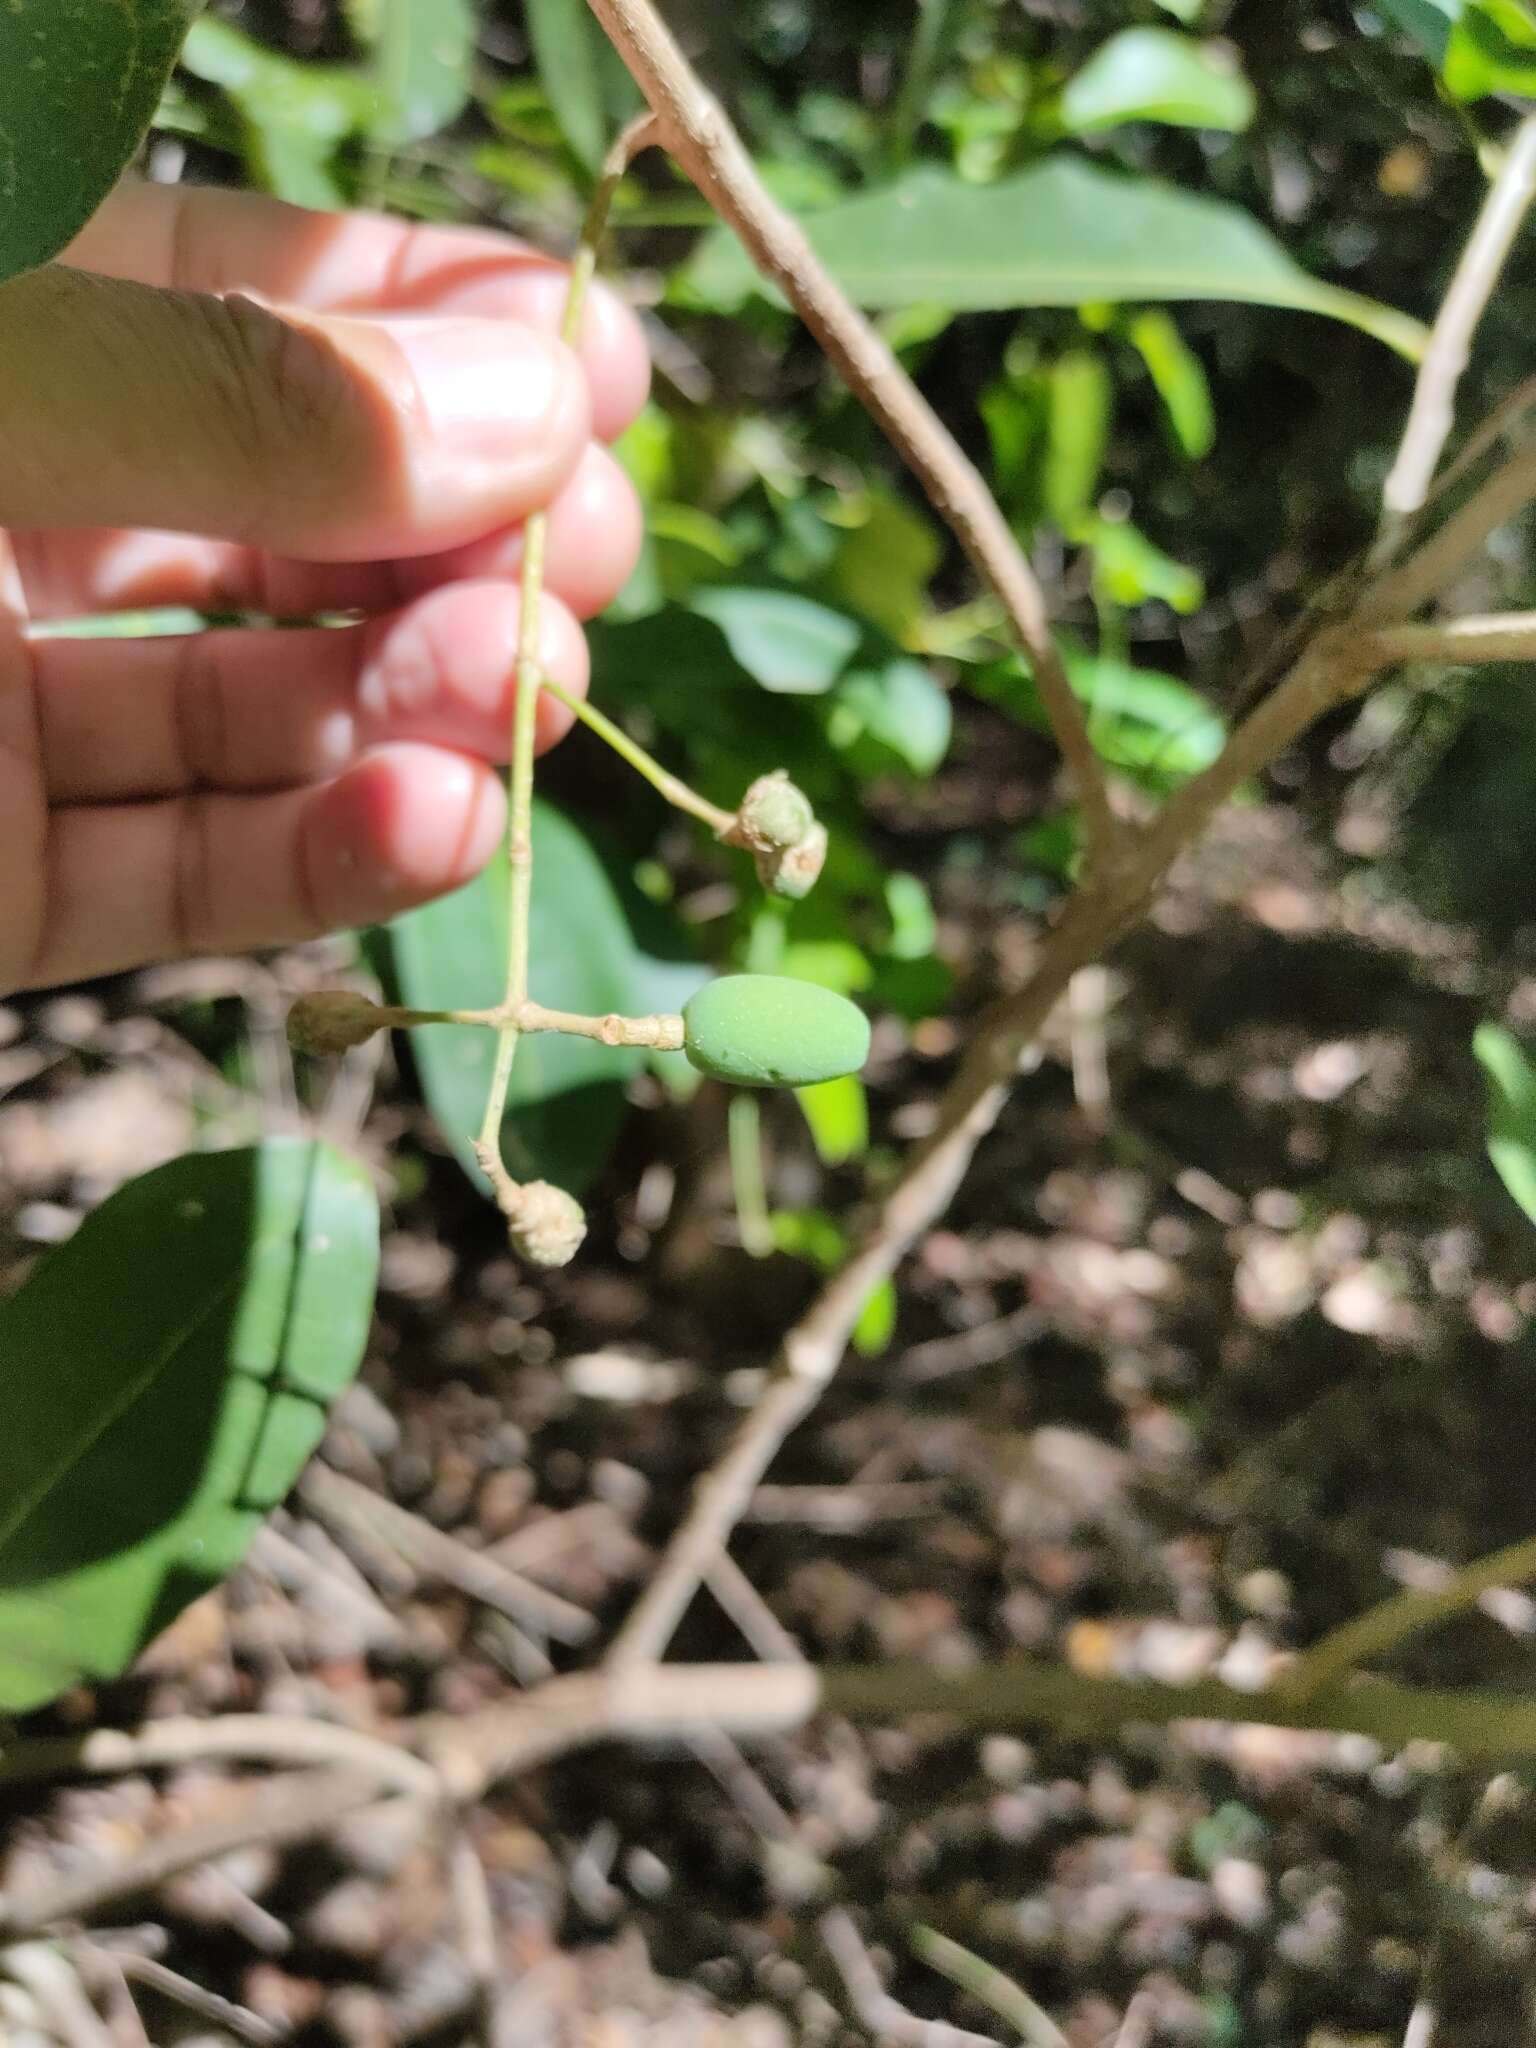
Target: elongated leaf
{"x": 1179, "y": 377}
{"x": 1062, "y": 233}
{"x": 422, "y": 67}
{"x": 567, "y": 1096}
{"x": 79, "y": 84}
{"x": 1511, "y": 1112}
{"x": 564, "y": 41}
{"x": 790, "y": 644}
{"x": 166, "y": 1374}
{"x": 1155, "y": 74}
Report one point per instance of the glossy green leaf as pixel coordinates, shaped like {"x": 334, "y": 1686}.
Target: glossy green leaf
{"x": 567, "y": 1096}
{"x": 789, "y": 644}
{"x": 566, "y": 50}
{"x": 422, "y": 58}
{"x": 1149, "y": 724}
{"x": 1062, "y": 233}
{"x": 79, "y": 84}
{"x": 1179, "y": 377}
{"x": 1511, "y": 1112}
{"x": 1187, "y": 11}
{"x": 1155, "y": 74}
{"x": 167, "y": 1373}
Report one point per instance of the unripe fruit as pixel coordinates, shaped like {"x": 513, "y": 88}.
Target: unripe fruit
{"x": 766, "y": 1031}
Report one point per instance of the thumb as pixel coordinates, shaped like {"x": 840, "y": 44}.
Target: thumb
{"x": 327, "y": 436}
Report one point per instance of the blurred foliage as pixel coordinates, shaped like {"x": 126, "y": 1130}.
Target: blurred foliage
{"x": 1156, "y": 262}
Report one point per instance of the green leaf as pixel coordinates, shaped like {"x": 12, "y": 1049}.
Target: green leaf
{"x": 1427, "y": 21}
{"x": 895, "y": 703}
{"x": 1187, "y": 11}
{"x": 167, "y": 1374}
{"x": 422, "y": 58}
{"x": 838, "y": 1115}
{"x": 1155, "y": 74}
{"x": 1492, "y": 49}
{"x": 1179, "y": 378}
{"x": 885, "y": 564}
{"x": 789, "y": 644}
{"x": 876, "y": 1326}
{"x": 1080, "y": 401}
{"x": 566, "y": 1101}
{"x": 294, "y": 117}
{"x": 1129, "y": 569}
{"x": 565, "y": 48}
{"x": 1150, "y": 724}
{"x": 79, "y": 84}
{"x": 1511, "y": 1112}
{"x": 1062, "y": 233}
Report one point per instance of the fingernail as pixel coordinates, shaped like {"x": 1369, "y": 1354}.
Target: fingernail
{"x": 489, "y": 387}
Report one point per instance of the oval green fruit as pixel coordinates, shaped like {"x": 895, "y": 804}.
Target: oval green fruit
{"x": 766, "y": 1031}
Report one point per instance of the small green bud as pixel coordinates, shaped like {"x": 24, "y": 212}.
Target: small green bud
{"x": 795, "y": 873}
{"x": 774, "y": 815}
{"x": 767, "y": 1031}
{"x": 546, "y": 1226}
{"x": 778, "y": 827}
{"x": 332, "y": 1021}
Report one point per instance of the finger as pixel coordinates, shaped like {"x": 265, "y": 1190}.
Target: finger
{"x": 130, "y": 883}
{"x": 260, "y": 710}
{"x": 202, "y": 239}
{"x": 595, "y": 532}
{"x": 332, "y": 437}
{"x": 23, "y": 808}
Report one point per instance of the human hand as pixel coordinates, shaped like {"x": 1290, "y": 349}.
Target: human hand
{"x": 366, "y": 434}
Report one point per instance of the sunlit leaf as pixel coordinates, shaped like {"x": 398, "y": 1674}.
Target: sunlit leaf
{"x": 79, "y": 83}
{"x": 1059, "y": 234}
{"x": 838, "y": 1115}
{"x": 167, "y": 1374}
{"x": 1511, "y": 1112}
{"x": 789, "y": 644}
{"x": 1155, "y": 74}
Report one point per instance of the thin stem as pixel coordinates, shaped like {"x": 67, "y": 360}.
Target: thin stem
{"x": 696, "y": 132}
{"x": 637, "y": 136}
{"x": 661, "y": 1032}
{"x": 744, "y": 1130}
{"x": 1382, "y": 1628}
{"x": 1432, "y": 414}
{"x": 661, "y": 779}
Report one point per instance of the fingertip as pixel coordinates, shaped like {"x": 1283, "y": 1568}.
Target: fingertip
{"x": 611, "y": 344}
{"x": 596, "y": 531}
{"x": 444, "y": 669}
{"x": 409, "y": 823}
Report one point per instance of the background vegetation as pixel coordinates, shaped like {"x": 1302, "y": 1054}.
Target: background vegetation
{"x": 1206, "y": 1358}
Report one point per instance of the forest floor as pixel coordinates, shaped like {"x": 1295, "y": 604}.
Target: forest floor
{"x": 1197, "y": 1367}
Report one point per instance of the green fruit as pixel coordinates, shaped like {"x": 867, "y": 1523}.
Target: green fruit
{"x": 766, "y": 1031}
